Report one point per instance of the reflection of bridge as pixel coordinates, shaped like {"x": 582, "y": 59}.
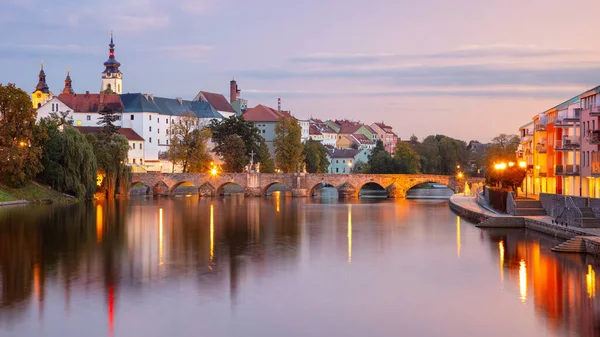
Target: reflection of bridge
{"x": 300, "y": 184}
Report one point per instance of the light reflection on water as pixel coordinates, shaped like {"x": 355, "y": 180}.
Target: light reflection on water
{"x": 282, "y": 266}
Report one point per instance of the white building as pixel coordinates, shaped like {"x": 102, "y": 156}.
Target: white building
{"x": 265, "y": 119}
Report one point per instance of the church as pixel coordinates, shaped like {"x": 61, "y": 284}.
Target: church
{"x": 145, "y": 120}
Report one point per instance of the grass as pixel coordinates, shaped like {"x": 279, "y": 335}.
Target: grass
{"x": 5, "y": 196}
{"x": 35, "y": 192}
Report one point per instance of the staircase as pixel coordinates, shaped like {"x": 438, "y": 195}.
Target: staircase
{"x": 529, "y": 208}
{"x": 574, "y": 245}
{"x": 588, "y": 218}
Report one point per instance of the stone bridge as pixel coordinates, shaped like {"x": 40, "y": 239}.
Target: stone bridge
{"x": 300, "y": 184}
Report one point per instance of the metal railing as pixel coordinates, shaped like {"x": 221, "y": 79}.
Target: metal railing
{"x": 511, "y": 205}
{"x": 567, "y": 169}
{"x": 595, "y": 162}
{"x": 567, "y": 213}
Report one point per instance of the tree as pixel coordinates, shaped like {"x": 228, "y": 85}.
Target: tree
{"x": 502, "y": 149}
{"x": 266, "y": 162}
{"x": 188, "y": 145}
{"x": 407, "y": 160}
{"x": 107, "y": 120}
{"x": 288, "y": 144}
{"x": 235, "y": 158}
{"x": 20, "y": 137}
{"x": 245, "y": 130}
{"x": 68, "y": 159}
{"x": 315, "y": 157}
{"x": 380, "y": 161}
{"x": 111, "y": 157}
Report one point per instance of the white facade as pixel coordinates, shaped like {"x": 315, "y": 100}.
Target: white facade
{"x": 305, "y": 125}
{"x": 345, "y": 163}
{"x": 113, "y": 81}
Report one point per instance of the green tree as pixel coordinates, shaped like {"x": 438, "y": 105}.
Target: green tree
{"x": 315, "y": 157}
{"x": 288, "y": 144}
{"x": 380, "y": 161}
{"x": 68, "y": 159}
{"x": 111, "y": 157}
{"x": 235, "y": 159}
{"x": 429, "y": 155}
{"x": 502, "y": 149}
{"x": 245, "y": 130}
{"x": 188, "y": 145}
{"x": 407, "y": 160}
{"x": 266, "y": 162}
{"x": 20, "y": 137}
{"x": 107, "y": 120}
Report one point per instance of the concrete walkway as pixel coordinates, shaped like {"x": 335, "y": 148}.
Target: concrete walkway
{"x": 470, "y": 203}
{"x": 12, "y": 203}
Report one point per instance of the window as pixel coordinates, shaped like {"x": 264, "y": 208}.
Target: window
{"x": 131, "y": 117}
{"x": 79, "y": 122}
{"x": 150, "y": 117}
{"x": 344, "y": 161}
{"x": 263, "y": 131}
{"x": 134, "y": 146}
{"x": 337, "y": 170}
{"x": 118, "y": 118}
{"x": 150, "y": 128}
{"x": 167, "y": 121}
{"x": 150, "y": 140}
{"x": 159, "y": 141}
{"x": 167, "y": 142}
{"x": 158, "y": 131}
{"x": 140, "y": 146}
{"x": 134, "y": 160}
{"x": 344, "y": 170}
{"x": 594, "y": 124}
{"x": 337, "y": 161}
{"x": 89, "y": 118}
{"x": 157, "y": 120}
{"x": 166, "y": 131}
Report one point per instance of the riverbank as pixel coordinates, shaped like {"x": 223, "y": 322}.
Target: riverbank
{"x": 32, "y": 192}
{"x": 467, "y": 207}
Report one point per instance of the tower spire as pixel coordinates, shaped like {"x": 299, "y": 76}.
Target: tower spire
{"x": 42, "y": 86}
{"x": 68, "y": 83}
{"x": 112, "y": 76}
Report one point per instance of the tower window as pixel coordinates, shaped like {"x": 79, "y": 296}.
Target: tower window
{"x": 167, "y": 121}
{"x": 158, "y": 131}
{"x": 140, "y": 146}
{"x": 132, "y": 117}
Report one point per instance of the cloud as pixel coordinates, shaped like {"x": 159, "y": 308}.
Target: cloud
{"x": 197, "y": 6}
{"x": 437, "y": 75}
{"x": 464, "y": 52}
{"x": 45, "y": 50}
{"x": 133, "y": 24}
{"x": 190, "y": 52}
{"x": 491, "y": 91}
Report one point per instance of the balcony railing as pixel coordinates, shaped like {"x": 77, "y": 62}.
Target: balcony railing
{"x": 596, "y": 163}
{"x": 594, "y": 137}
{"x": 541, "y": 148}
{"x": 568, "y": 119}
{"x": 595, "y": 111}
{"x": 540, "y": 127}
{"x": 568, "y": 143}
{"x": 567, "y": 169}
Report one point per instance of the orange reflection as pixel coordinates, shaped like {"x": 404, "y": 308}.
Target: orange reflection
{"x": 590, "y": 280}
{"x": 522, "y": 281}
{"x": 160, "y": 237}
{"x": 277, "y": 199}
{"x": 501, "y": 249}
{"x": 99, "y": 222}
{"x": 349, "y": 233}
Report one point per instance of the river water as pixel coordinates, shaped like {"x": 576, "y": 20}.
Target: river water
{"x": 283, "y": 267}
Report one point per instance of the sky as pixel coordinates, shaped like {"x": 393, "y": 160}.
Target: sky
{"x": 469, "y": 69}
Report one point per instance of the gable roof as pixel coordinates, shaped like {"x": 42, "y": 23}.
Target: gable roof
{"x": 362, "y": 139}
{"x": 312, "y": 130}
{"x": 168, "y": 106}
{"x": 261, "y": 113}
{"x": 91, "y": 102}
{"x": 218, "y": 101}
{"x": 349, "y": 128}
{"x": 128, "y": 133}
{"x": 343, "y": 153}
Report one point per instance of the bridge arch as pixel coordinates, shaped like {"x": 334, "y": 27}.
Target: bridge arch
{"x": 265, "y": 190}
{"x": 313, "y": 190}
{"x": 207, "y": 190}
{"x": 140, "y": 188}
{"x": 239, "y": 189}
{"x": 184, "y": 188}
{"x": 375, "y": 190}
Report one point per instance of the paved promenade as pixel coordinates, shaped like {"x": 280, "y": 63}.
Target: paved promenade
{"x": 470, "y": 204}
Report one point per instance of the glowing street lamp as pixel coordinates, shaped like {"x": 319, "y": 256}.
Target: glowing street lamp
{"x": 522, "y": 164}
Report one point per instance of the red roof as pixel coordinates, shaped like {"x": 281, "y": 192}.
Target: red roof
{"x": 91, "y": 102}
{"x": 261, "y": 113}
{"x": 349, "y": 128}
{"x": 125, "y": 132}
{"x": 218, "y": 101}
{"x": 362, "y": 139}
{"x": 313, "y": 130}
{"x": 385, "y": 128}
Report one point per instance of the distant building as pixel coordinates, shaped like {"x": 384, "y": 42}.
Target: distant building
{"x": 342, "y": 161}
{"x": 386, "y": 134}
{"x": 265, "y": 119}
{"x": 42, "y": 93}
{"x": 135, "y": 156}
{"x": 218, "y": 101}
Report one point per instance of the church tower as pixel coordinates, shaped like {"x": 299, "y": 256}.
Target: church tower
{"x": 68, "y": 85}
{"x": 112, "y": 78}
{"x": 42, "y": 93}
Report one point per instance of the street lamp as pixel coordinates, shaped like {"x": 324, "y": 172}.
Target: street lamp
{"x": 349, "y": 166}
{"x": 500, "y": 167}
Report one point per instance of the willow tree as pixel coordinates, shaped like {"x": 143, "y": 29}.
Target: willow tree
{"x": 20, "y": 137}
{"x": 111, "y": 157}
{"x": 288, "y": 144}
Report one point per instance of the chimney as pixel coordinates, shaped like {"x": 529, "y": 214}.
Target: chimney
{"x": 279, "y": 104}
{"x": 87, "y": 92}
{"x": 234, "y": 92}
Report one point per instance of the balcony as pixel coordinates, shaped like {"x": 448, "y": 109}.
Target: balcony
{"x": 568, "y": 143}
{"x": 594, "y": 137}
{"x": 568, "y": 119}
{"x": 595, "y": 163}
{"x": 567, "y": 170}
{"x": 540, "y": 148}
{"x": 595, "y": 111}
{"x": 540, "y": 127}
